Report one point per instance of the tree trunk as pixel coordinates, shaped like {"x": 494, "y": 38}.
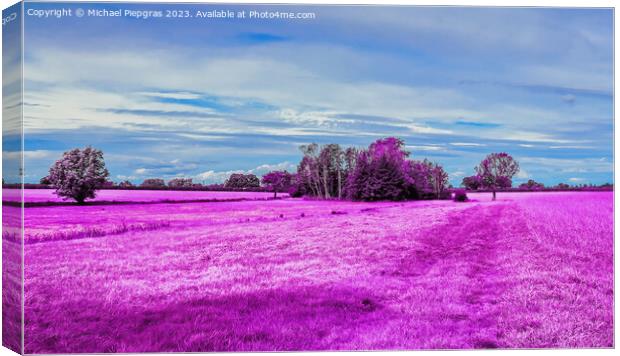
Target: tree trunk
{"x": 315, "y": 180}
{"x": 325, "y": 173}
{"x": 80, "y": 199}
{"x": 316, "y": 177}
{"x": 275, "y": 193}
{"x": 339, "y": 184}
{"x": 493, "y": 195}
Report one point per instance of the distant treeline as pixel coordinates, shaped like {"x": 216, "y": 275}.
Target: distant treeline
{"x": 476, "y": 184}
{"x": 600, "y": 188}
{"x": 382, "y": 171}
{"x": 221, "y": 188}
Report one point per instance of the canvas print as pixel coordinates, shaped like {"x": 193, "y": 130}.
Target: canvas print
{"x": 246, "y": 177}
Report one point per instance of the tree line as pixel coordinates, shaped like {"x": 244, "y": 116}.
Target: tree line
{"x": 382, "y": 171}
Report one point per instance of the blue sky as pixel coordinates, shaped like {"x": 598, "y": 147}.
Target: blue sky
{"x": 204, "y": 98}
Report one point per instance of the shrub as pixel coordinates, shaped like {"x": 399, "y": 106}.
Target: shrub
{"x": 125, "y": 184}
{"x": 240, "y": 181}
{"x": 107, "y": 184}
{"x": 532, "y": 185}
{"x": 45, "y": 181}
{"x": 181, "y": 183}
{"x": 153, "y": 183}
{"x": 296, "y": 191}
{"x": 460, "y": 195}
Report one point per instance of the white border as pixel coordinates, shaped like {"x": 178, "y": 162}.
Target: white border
{"x": 509, "y": 3}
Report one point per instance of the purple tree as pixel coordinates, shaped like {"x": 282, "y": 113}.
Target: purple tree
{"x": 496, "y": 171}
{"x": 438, "y": 179}
{"x": 277, "y": 181}
{"x": 380, "y": 173}
{"x": 426, "y": 179}
{"x": 323, "y": 170}
{"x": 78, "y": 174}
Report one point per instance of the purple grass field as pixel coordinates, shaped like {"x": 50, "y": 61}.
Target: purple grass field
{"x": 138, "y": 196}
{"x": 530, "y": 270}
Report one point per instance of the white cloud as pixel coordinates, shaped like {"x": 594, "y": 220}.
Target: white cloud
{"x": 576, "y": 147}
{"x": 424, "y": 147}
{"x": 211, "y": 177}
{"x": 533, "y": 137}
{"x": 124, "y": 177}
{"x": 574, "y": 179}
{"x": 266, "y": 168}
{"x": 289, "y": 86}
{"x": 522, "y": 174}
{"x": 579, "y": 76}
{"x": 36, "y": 154}
{"x": 318, "y": 118}
{"x": 562, "y": 165}
{"x": 180, "y": 95}
{"x": 424, "y": 129}
{"x": 300, "y": 95}
{"x": 467, "y": 144}
{"x": 215, "y": 177}
{"x": 163, "y": 169}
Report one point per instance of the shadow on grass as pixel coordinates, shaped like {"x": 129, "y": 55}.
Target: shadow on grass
{"x": 310, "y": 318}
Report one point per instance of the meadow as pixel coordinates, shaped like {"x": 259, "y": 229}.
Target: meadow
{"x": 530, "y": 270}
{"x": 136, "y": 196}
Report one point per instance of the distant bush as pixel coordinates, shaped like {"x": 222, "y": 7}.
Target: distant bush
{"x": 296, "y": 191}
{"x": 240, "y": 180}
{"x": 107, "y": 184}
{"x": 153, "y": 183}
{"x": 460, "y": 195}
{"x": 531, "y": 185}
{"x": 45, "y": 181}
{"x": 181, "y": 183}
{"x": 125, "y": 184}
